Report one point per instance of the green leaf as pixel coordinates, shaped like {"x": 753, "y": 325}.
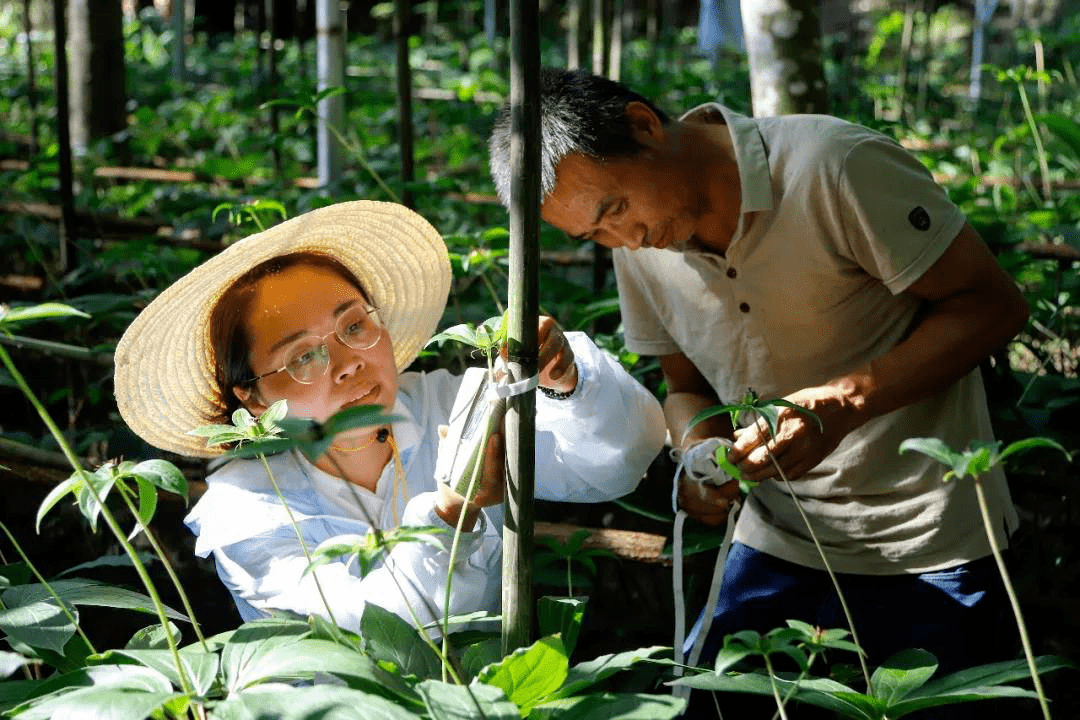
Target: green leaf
{"x": 322, "y": 702}
{"x": 463, "y": 334}
{"x": 147, "y": 507}
{"x": 1031, "y": 443}
{"x": 819, "y": 692}
{"x": 32, "y": 313}
{"x": 38, "y": 623}
{"x": 388, "y": 637}
{"x": 562, "y": 616}
{"x": 200, "y": 667}
{"x": 162, "y": 474}
{"x": 100, "y": 704}
{"x": 991, "y": 674}
{"x": 154, "y": 637}
{"x": 713, "y": 412}
{"x": 611, "y": 706}
{"x": 934, "y": 448}
{"x": 902, "y": 674}
{"x": 530, "y": 674}
{"x": 56, "y": 495}
{"x": 109, "y": 561}
{"x": 586, "y": 674}
{"x": 78, "y": 591}
{"x": 249, "y": 643}
{"x": 1064, "y": 128}
{"x": 454, "y": 702}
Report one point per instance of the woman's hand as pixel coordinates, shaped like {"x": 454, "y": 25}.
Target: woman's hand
{"x": 558, "y": 371}
{"x": 449, "y": 504}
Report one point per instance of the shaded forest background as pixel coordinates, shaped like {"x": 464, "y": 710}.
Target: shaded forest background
{"x": 178, "y": 148}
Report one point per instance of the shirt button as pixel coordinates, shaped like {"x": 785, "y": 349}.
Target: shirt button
{"x": 731, "y": 273}
{"x": 743, "y": 307}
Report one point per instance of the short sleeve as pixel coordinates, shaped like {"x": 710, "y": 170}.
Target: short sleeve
{"x": 643, "y": 324}
{"x": 897, "y": 220}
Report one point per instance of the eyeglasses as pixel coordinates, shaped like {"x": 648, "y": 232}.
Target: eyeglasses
{"x": 309, "y": 358}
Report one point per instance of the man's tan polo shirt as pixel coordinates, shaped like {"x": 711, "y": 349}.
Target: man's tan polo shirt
{"x": 844, "y": 220}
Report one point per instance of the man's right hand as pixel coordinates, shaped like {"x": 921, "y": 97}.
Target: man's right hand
{"x": 707, "y": 502}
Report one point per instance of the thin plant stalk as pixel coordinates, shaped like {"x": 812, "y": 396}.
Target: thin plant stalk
{"x": 795, "y": 686}
{"x": 1013, "y": 600}
{"x": 110, "y": 520}
{"x": 458, "y": 529}
{"x": 1044, "y": 169}
{"x": 45, "y": 583}
{"x": 444, "y": 658}
{"x": 775, "y": 690}
{"x": 299, "y": 536}
{"x": 168, "y": 567}
{"x": 828, "y": 567}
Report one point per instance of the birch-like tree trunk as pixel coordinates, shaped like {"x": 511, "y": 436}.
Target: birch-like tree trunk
{"x": 329, "y": 64}
{"x": 783, "y": 42}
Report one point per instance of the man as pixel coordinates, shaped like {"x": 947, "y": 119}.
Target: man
{"x": 807, "y": 258}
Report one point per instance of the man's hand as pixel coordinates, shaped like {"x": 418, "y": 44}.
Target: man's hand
{"x": 707, "y": 502}
{"x": 705, "y": 490}
{"x": 800, "y": 443}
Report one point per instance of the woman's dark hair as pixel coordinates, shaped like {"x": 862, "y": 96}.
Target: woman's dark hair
{"x": 228, "y": 336}
{"x": 579, "y": 113}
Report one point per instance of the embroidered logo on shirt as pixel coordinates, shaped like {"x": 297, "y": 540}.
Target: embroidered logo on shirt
{"x": 919, "y": 218}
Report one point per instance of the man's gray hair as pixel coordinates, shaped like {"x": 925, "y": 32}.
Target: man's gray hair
{"x": 579, "y": 113}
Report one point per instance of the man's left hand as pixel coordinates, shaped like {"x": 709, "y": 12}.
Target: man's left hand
{"x": 800, "y": 443}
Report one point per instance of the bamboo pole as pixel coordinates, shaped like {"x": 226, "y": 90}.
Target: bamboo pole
{"x": 404, "y": 94}
{"x": 522, "y": 321}
{"x": 69, "y": 231}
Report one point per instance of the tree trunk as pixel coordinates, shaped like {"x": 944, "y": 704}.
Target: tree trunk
{"x": 598, "y": 37}
{"x": 331, "y": 73}
{"x": 783, "y": 41}
{"x": 615, "y": 45}
{"x": 98, "y": 94}
{"x": 404, "y": 93}
{"x": 31, "y": 81}
{"x": 573, "y": 32}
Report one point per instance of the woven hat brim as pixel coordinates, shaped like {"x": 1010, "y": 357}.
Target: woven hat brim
{"x": 164, "y": 363}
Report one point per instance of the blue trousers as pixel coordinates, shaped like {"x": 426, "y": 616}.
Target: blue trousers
{"x": 959, "y": 614}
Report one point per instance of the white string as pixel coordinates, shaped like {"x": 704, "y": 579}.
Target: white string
{"x": 505, "y": 390}
{"x": 682, "y": 691}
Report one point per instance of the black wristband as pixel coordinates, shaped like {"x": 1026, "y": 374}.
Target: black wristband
{"x": 555, "y": 394}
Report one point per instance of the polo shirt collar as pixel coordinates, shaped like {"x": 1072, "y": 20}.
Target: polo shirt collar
{"x": 755, "y": 179}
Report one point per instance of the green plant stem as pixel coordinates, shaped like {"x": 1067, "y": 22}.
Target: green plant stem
{"x": 775, "y": 689}
{"x": 458, "y": 529}
{"x": 984, "y": 510}
{"x": 167, "y": 565}
{"x": 795, "y": 686}
{"x": 569, "y": 578}
{"x": 1044, "y": 169}
{"x": 48, "y": 587}
{"x": 424, "y": 636}
{"x": 361, "y": 159}
{"x": 828, "y": 569}
{"x": 299, "y": 535}
{"x": 110, "y": 519}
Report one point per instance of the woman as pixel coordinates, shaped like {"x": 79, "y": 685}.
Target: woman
{"x": 326, "y": 311}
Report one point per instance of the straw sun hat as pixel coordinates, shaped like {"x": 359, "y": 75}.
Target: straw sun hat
{"x": 165, "y": 380}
